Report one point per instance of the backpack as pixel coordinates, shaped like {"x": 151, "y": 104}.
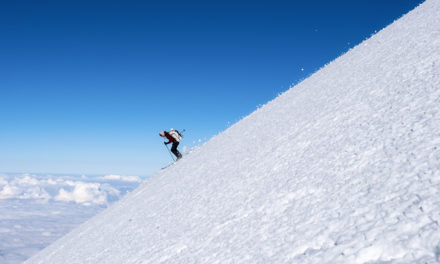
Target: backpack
{"x": 175, "y": 134}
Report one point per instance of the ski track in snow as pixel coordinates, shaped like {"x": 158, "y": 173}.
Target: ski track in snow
{"x": 342, "y": 168}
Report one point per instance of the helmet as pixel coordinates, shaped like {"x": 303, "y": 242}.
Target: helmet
{"x": 162, "y": 133}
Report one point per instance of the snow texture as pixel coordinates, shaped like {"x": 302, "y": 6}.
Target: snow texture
{"x": 342, "y": 168}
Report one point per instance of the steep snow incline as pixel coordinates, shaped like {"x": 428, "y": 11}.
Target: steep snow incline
{"x": 342, "y": 168}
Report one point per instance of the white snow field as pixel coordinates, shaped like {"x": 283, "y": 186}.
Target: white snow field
{"x": 342, "y": 168}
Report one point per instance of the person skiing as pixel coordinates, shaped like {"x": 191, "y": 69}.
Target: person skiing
{"x": 174, "y": 137}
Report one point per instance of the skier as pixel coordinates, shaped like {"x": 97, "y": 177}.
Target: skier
{"x": 174, "y": 137}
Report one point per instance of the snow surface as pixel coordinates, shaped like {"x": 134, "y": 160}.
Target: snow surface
{"x": 342, "y": 168}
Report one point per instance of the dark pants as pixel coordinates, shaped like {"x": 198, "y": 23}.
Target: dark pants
{"x": 175, "y": 151}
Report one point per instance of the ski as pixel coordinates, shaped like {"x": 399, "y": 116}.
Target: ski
{"x": 168, "y": 166}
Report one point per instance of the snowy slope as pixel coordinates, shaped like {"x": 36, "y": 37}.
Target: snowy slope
{"x": 342, "y": 168}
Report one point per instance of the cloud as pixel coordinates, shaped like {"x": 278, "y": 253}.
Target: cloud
{"x": 23, "y": 187}
{"x": 9, "y": 191}
{"x": 85, "y": 191}
{"x": 38, "y": 209}
{"x": 113, "y": 177}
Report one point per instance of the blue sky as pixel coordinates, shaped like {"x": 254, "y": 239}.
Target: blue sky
{"x": 87, "y": 85}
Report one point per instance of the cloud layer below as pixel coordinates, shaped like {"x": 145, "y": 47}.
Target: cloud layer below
{"x": 35, "y": 210}
{"x": 82, "y": 190}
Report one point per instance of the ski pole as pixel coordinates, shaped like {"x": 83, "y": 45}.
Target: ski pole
{"x": 181, "y": 132}
{"x": 169, "y": 152}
